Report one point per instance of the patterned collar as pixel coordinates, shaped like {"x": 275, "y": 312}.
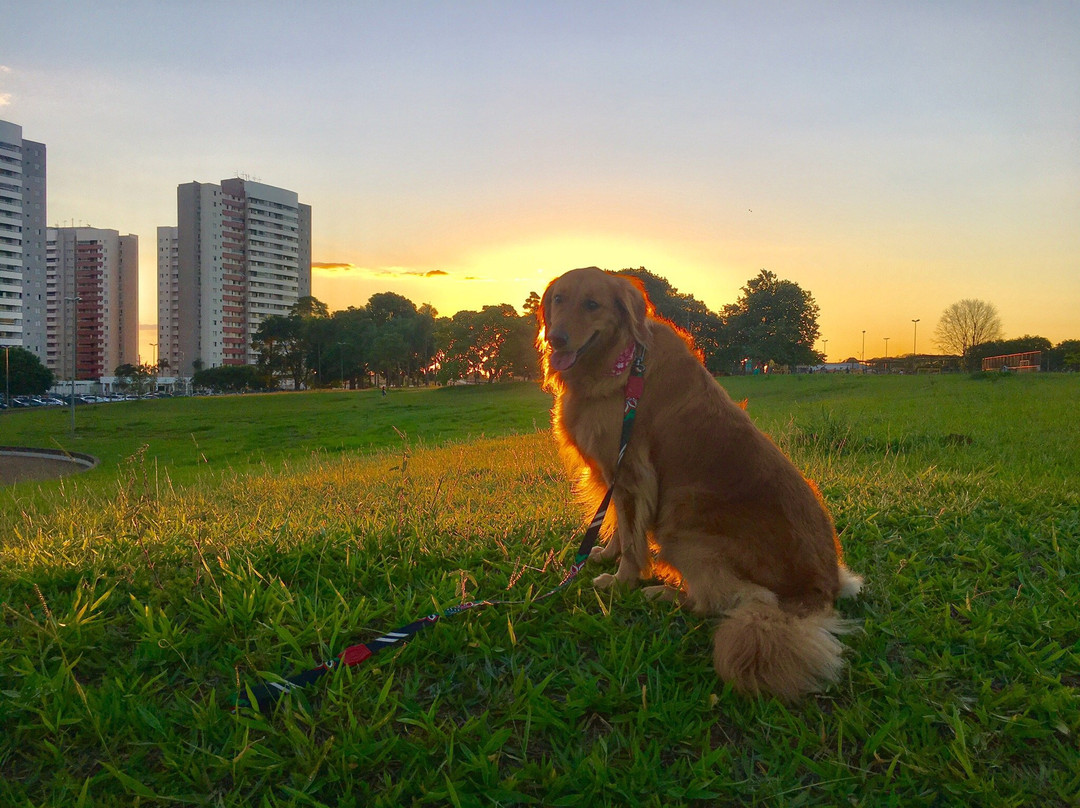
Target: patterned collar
{"x": 626, "y": 358}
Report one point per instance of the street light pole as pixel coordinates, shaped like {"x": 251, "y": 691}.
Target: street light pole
{"x": 825, "y": 351}
{"x": 914, "y": 343}
{"x": 864, "y": 345}
{"x": 7, "y": 375}
{"x": 341, "y": 356}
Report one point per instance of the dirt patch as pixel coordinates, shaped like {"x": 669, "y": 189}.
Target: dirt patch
{"x": 20, "y": 464}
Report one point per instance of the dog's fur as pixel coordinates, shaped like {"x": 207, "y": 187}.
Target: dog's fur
{"x": 738, "y": 532}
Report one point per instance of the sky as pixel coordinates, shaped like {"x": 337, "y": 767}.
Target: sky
{"x": 890, "y": 158}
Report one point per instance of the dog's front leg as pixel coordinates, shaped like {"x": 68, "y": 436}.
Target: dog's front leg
{"x": 630, "y": 535}
{"x": 610, "y": 550}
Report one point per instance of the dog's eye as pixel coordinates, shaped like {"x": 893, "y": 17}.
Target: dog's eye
{"x": 556, "y": 299}
{"x": 591, "y": 305}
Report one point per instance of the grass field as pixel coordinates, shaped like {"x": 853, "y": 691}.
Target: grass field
{"x": 225, "y": 539}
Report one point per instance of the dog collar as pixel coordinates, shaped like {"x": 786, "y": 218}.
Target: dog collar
{"x": 626, "y": 358}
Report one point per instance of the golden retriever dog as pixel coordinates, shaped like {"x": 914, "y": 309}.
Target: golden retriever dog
{"x": 737, "y": 531}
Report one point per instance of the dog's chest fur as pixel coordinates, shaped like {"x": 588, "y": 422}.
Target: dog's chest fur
{"x": 593, "y": 427}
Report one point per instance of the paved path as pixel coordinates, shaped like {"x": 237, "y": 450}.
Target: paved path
{"x": 17, "y": 467}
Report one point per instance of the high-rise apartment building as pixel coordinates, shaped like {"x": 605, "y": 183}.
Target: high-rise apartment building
{"x": 170, "y": 355}
{"x": 241, "y": 251}
{"x": 93, "y": 303}
{"x": 23, "y": 293}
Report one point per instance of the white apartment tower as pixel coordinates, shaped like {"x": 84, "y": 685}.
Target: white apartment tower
{"x": 241, "y": 251}
{"x": 92, "y": 307}
{"x": 23, "y": 293}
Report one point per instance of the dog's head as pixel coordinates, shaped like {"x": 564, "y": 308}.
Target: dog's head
{"x": 587, "y": 317}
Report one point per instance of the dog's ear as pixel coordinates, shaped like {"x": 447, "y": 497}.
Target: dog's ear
{"x": 631, "y": 301}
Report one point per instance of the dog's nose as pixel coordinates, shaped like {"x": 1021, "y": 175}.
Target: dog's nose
{"x": 557, "y": 339}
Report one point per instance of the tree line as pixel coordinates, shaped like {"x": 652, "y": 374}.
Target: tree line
{"x": 390, "y": 341}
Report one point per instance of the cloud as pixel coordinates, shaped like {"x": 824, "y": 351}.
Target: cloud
{"x": 148, "y": 326}
{"x": 338, "y": 267}
{"x": 5, "y": 99}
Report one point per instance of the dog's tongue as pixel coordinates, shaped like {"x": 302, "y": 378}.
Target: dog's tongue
{"x": 562, "y": 360}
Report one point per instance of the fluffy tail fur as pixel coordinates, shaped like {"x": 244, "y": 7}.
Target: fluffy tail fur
{"x": 760, "y": 648}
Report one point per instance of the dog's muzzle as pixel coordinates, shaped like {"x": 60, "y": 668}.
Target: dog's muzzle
{"x": 562, "y": 359}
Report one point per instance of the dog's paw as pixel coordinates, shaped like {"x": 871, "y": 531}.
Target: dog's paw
{"x": 663, "y": 593}
{"x": 605, "y": 552}
{"x": 604, "y": 580}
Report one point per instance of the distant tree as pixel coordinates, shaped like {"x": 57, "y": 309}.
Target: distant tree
{"x": 232, "y": 379}
{"x": 350, "y": 353}
{"x": 532, "y": 303}
{"x": 965, "y": 324}
{"x": 137, "y": 379}
{"x": 315, "y": 335}
{"x": 422, "y": 346}
{"x": 390, "y": 350}
{"x": 1065, "y": 355}
{"x": 27, "y": 376}
{"x": 309, "y": 306}
{"x": 386, "y": 306}
{"x": 773, "y": 320}
{"x": 281, "y": 348}
{"x": 518, "y": 351}
{"x": 491, "y": 344}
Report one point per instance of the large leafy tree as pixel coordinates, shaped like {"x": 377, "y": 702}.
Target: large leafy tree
{"x": 493, "y": 343}
{"x": 965, "y": 324}
{"x": 350, "y": 351}
{"x": 1065, "y": 355}
{"x": 281, "y": 348}
{"x": 24, "y": 375}
{"x": 316, "y": 334}
{"x": 292, "y": 346}
{"x": 773, "y": 320}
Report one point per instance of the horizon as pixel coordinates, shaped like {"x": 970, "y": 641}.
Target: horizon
{"x": 889, "y": 160}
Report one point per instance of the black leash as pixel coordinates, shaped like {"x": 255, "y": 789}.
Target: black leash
{"x": 266, "y": 694}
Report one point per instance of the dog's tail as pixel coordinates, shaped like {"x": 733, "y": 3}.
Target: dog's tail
{"x": 760, "y": 648}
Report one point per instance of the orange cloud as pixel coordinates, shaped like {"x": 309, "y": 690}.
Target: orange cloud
{"x": 332, "y": 267}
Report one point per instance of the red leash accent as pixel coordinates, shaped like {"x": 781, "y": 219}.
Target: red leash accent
{"x": 355, "y": 654}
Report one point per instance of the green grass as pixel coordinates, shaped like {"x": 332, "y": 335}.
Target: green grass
{"x": 186, "y": 436}
{"x": 138, "y": 599}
